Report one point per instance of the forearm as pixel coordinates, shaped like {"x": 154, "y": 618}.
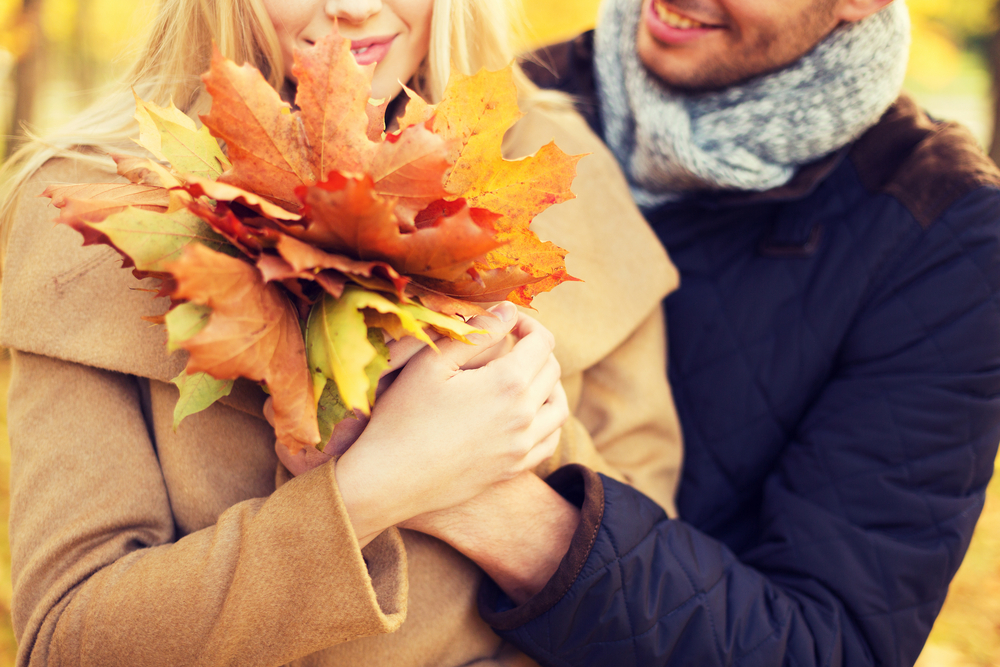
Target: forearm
{"x": 229, "y": 593}
{"x": 517, "y": 532}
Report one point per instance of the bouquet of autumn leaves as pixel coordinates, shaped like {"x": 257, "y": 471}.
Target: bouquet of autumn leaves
{"x": 288, "y": 255}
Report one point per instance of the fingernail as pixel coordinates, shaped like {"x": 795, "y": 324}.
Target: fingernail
{"x": 505, "y": 311}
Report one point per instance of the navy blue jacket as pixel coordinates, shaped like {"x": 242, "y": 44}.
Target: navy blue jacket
{"x": 835, "y": 358}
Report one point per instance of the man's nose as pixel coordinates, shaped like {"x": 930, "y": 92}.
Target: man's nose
{"x": 353, "y": 11}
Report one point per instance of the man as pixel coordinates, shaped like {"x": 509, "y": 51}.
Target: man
{"x": 834, "y": 352}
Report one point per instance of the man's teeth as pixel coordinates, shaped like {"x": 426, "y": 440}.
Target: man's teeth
{"x": 675, "y": 20}
{"x": 358, "y": 52}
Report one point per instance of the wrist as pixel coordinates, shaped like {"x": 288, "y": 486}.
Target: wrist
{"x": 517, "y": 532}
{"x": 362, "y": 484}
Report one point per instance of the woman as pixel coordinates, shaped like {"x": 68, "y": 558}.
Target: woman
{"x": 135, "y": 544}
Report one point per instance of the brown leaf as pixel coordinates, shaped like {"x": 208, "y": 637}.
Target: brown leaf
{"x": 332, "y": 96}
{"x": 253, "y": 332}
{"x": 198, "y": 187}
{"x": 376, "y": 118}
{"x": 266, "y": 142}
{"x": 251, "y": 240}
{"x": 143, "y": 171}
{"x": 484, "y": 286}
{"x": 303, "y": 257}
{"x": 410, "y": 166}
{"x": 96, "y": 201}
{"x": 274, "y": 268}
{"x": 348, "y": 216}
{"x": 445, "y": 304}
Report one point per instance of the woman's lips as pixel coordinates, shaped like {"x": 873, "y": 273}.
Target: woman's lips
{"x": 371, "y": 49}
{"x": 671, "y": 27}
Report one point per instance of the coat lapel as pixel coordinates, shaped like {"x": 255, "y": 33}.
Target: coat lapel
{"x": 76, "y": 303}
{"x": 625, "y": 271}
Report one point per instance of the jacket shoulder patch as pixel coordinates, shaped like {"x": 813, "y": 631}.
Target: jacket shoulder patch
{"x": 924, "y": 164}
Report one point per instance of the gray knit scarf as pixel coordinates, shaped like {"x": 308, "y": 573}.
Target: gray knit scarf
{"x": 751, "y": 136}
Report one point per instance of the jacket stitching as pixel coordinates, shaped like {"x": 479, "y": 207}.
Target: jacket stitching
{"x": 628, "y": 609}
{"x": 617, "y": 558}
{"x": 700, "y": 596}
{"x": 907, "y": 463}
{"x": 764, "y": 641}
{"x": 528, "y": 639}
{"x": 944, "y": 220}
{"x": 703, "y": 595}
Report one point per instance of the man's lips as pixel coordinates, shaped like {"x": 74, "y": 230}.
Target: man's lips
{"x": 371, "y": 49}
{"x": 668, "y": 25}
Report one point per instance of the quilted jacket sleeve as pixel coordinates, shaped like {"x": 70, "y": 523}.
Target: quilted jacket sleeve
{"x": 864, "y": 518}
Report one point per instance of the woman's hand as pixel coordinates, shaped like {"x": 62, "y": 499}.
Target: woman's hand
{"x": 440, "y": 435}
{"x": 347, "y": 431}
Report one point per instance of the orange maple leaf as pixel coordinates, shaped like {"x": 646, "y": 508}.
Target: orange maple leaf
{"x": 473, "y": 117}
{"x": 332, "y": 98}
{"x": 266, "y": 142}
{"x": 253, "y": 332}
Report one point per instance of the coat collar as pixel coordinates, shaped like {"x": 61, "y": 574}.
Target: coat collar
{"x": 624, "y": 269}
{"x": 77, "y": 304}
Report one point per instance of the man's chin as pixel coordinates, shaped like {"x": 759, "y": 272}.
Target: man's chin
{"x": 679, "y": 68}
{"x": 680, "y": 78}
{"x": 691, "y": 77}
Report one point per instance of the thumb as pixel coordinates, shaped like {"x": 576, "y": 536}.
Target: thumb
{"x": 453, "y": 354}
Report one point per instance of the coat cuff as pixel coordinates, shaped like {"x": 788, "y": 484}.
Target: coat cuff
{"x": 585, "y": 489}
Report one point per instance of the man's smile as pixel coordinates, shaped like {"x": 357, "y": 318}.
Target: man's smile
{"x": 668, "y": 25}
{"x": 674, "y": 19}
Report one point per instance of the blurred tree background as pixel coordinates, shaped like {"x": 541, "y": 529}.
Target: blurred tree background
{"x": 55, "y": 55}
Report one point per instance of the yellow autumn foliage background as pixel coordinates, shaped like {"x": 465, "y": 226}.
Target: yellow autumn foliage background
{"x": 84, "y": 42}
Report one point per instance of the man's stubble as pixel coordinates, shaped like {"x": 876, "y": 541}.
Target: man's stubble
{"x": 748, "y": 51}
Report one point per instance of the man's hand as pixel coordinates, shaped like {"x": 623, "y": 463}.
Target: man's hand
{"x": 517, "y": 531}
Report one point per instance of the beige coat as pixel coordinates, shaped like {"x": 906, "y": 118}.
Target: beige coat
{"x": 134, "y": 545}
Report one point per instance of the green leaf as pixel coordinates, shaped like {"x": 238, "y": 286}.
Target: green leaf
{"x": 330, "y": 409}
{"x": 337, "y": 345}
{"x": 330, "y": 412}
{"x": 153, "y": 240}
{"x": 198, "y": 391}
{"x": 341, "y": 347}
{"x": 378, "y": 365}
{"x": 396, "y": 321}
{"x": 196, "y": 153}
{"x": 184, "y": 322}
{"x": 171, "y": 135}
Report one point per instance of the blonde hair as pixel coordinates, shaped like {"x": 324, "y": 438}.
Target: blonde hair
{"x": 467, "y": 34}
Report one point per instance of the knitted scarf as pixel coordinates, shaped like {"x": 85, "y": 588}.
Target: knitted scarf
{"x": 750, "y": 136}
